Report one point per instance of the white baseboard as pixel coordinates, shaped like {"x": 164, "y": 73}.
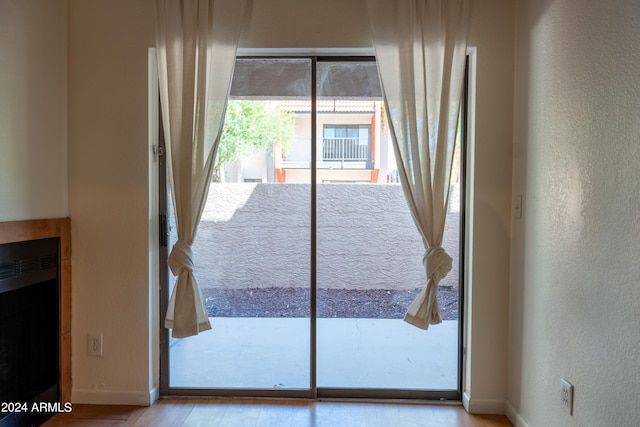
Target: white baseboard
{"x": 115, "y": 397}
{"x": 513, "y": 415}
{"x": 154, "y": 394}
{"x": 482, "y": 406}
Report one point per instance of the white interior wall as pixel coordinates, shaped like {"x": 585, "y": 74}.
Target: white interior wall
{"x": 575, "y": 300}
{"x": 492, "y": 33}
{"x": 33, "y": 110}
{"x": 109, "y": 181}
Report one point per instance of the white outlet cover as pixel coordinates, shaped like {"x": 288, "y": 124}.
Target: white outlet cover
{"x": 94, "y": 345}
{"x": 566, "y": 394}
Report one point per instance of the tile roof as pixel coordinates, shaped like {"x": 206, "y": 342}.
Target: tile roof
{"x": 329, "y": 106}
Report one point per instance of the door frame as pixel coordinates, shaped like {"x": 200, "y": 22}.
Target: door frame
{"x": 314, "y": 392}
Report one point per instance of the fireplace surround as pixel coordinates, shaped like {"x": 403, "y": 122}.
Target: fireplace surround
{"x": 58, "y": 229}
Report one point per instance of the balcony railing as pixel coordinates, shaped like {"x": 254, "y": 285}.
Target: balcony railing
{"x": 346, "y": 149}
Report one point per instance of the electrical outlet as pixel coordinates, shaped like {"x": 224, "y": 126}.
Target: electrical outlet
{"x": 567, "y": 395}
{"x": 94, "y": 345}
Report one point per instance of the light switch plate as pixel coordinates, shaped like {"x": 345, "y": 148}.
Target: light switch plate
{"x": 517, "y": 207}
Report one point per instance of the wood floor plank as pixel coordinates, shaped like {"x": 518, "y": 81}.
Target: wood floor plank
{"x": 165, "y": 413}
{"x": 230, "y": 412}
{"x": 107, "y": 412}
{"x": 490, "y": 421}
{"x": 283, "y": 413}
{"x": 221, "y": 412}
{"x": 420, "y": 415}
{"x": 206, "y": 414}
{"x": 241, "y": 412}
{"x": 73, "y": 422}
{"x": 337, "y": 413}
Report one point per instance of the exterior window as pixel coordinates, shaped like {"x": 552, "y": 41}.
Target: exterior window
{"x": 346, "y": 143}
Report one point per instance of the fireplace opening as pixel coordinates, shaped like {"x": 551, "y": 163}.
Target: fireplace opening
{"x": 29, "y": 330}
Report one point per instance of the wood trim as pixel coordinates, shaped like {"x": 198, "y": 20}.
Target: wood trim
{"x": 18, "y": 231}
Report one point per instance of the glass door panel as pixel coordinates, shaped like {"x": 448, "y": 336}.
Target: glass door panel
{"x": 369, "y": 253}
{"x": 252, "y": 249}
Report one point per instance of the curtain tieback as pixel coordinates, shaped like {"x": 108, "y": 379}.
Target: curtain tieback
{"x": 437, "y": 263}
{"x": 181, "y": 258}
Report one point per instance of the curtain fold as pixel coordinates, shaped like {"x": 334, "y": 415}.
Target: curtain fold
{"x": 196, "y": 45}
{"x": 420, "y": 48}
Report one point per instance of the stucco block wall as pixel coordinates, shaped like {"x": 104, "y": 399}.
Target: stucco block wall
{"x": 258, "y": 235}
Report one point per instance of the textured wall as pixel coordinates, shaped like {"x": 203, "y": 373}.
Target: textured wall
{"x": 258, "y": 235}
{"x": 575, "y": 299}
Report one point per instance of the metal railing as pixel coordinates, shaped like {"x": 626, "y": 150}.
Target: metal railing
{"x": 346, "y": 149}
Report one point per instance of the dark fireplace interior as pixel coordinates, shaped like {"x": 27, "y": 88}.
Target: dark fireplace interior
{"x": 29, "y": 330}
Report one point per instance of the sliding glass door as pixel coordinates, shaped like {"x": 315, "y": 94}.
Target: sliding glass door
{"x": 306, "y": 253}
{"x": 369, "y": 253}
{"x": 252, "y": 248}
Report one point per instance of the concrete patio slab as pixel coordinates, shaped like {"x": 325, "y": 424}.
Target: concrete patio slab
{"x": 273, "y": 353}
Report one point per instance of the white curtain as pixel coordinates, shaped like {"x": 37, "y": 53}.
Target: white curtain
{"x": 196, "y": 45}
{"x": 420, "y": 48}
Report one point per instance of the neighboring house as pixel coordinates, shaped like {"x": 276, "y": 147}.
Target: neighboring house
{"x": 352, "y": 146}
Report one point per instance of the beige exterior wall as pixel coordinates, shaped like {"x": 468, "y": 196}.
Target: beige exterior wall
{"x": 257, "y": 236}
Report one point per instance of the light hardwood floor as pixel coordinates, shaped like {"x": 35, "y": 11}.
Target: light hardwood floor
{"x": 177, "y": 412}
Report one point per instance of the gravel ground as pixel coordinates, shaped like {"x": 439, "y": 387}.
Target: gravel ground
{"x": 294, "y": 302}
